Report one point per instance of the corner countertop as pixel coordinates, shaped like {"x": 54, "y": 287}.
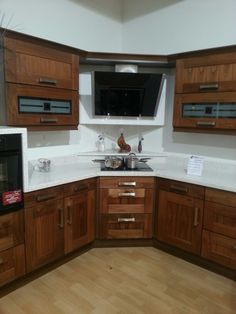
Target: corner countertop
{"x": 217, "y": 173}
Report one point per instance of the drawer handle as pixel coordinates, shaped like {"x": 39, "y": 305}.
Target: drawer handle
{"x": 48, "y": 120}
{"x": 61, "y": 218}
{"x": 209, "y": 86}
{"x": 127, "y": 184}
{"x": 129, "y": 194}
{"x": 178, "y": 189}
{"x": 69, "y": 215}
{"x": 43, "y": 80}
{"x": 79, "y": 189}
{"x": 195, "y": 219}
{"x": 206, "y": 123}
{"x": 126, "y": 219}
{"x": 1, "y": 261}
{"x": 46, "y": 197}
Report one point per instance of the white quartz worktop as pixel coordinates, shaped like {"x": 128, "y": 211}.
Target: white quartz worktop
{"x": 217, "y": 173}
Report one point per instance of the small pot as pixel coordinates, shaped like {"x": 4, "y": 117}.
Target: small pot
{"x": 132, "y": 161}
{"x": 113, "y": 162}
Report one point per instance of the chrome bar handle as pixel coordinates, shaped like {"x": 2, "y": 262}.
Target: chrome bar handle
{"x": 44, "y": 80}
{"x": 69, "y": 215}
{"x": 48, "y": 120}
{"x": 127, "y": 184}
{"x": 208, "y": 86}
{"x": 61, "y": 218}
{"x": 45, "y": 197}
{"x": 206, "y": 123}
{"x": 129, "y": 194}
{"x": 196, "y": 214}
{"x": 126, "y": 219}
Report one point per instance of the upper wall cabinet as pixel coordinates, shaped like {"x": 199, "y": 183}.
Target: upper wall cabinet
{"x": 205, "y": 92}
{"x": 41, "y": 85}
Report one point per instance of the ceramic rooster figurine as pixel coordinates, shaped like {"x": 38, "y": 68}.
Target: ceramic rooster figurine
{"x": 124, "y": 147}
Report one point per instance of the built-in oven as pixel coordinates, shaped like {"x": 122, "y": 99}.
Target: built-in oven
{"x": 11, "y": 178}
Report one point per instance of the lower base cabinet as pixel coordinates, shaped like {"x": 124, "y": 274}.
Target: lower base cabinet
{"x": 12, "y": 264}
{"x": 58, "y": 221}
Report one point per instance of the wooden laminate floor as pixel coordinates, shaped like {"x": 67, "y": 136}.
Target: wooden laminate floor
{"x": 124, "y": 280}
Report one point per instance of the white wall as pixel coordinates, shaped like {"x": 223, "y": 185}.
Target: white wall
{"x": 172, "y": 26}
{"x": 87, "y": 25}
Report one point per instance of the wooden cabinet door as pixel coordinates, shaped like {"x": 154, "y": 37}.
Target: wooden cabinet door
{"x": 44, "y": 233}
{"x": 36, "y": 64}
{"x": 79, "y": 220}
{"x": 180, "y": 221}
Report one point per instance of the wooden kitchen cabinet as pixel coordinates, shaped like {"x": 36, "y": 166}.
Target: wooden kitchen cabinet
{"x": 219, "y": 235}
{"x": 205, "y": 89}
{"x": 126, "y": 207}
{"x": 12, "y": 249}
{"x": 79, "y": 206}
{"x": 44, "y": 227}
{"x": 212, "y": 72}
{"x": 180, "y": 215}
{"x": 41, "y": 84}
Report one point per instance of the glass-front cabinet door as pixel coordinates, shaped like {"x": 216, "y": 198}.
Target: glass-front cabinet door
{"x": 216, "y": 111}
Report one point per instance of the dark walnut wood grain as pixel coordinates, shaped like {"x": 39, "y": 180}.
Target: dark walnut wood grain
{"x": 79, "y": 214}
{"x": 126, "y": 207}
{"x": 179, "y": 218}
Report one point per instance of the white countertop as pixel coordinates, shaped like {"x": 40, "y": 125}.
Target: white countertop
{"x": 220, "y": 174}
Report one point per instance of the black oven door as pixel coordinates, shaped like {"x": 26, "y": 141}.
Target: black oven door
{"x": 11, "y": 186}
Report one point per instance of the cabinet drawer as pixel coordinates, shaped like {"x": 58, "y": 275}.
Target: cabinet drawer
{"x": 126, "y": 200}
{"x": 14, "y": 91}
{"x": 12, "y": 264}
{"x": 126, "y": 226}
{"x": 38, "y": 197}
{"x": 220, "y": 218}
{"x": 221, "y": 197}
{"x": 11, "y": 230}
{"x": 79, "y": 186}
{"x": 35, "y": 64}
{"x": 219, "y": 249}
{"x": 128, "y": 182}
{"x": 178, "y": 187}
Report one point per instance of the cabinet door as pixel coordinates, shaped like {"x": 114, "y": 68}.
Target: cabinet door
{"x": 37, "y": 119}
{"x": 180, "y": 221}
{"x": 12, "y": 264}
{"x": 44, "y": 234}
{"x": 219, "y": 249}
{"x": 38, "y": 64}
{"x": 80, "y": 220}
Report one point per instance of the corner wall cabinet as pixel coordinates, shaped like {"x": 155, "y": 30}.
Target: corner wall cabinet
{"x": 205, "y": 91}
{"x": 41, "y": 85}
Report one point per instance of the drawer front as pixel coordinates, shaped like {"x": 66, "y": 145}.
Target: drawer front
{"x": 12, "y": 264}
{"x": 35, "y": 198}
{"x": 127, "y": 182}
{"x": 126, "y": 226}
{"x": 29, "y": 63}
{"x": 220, "y": 218}
{"x": 221, "y": 197}
{"x": 79, "y": 186}
{"x": 11, "y": 230}
{"x": 126, "y": 200}
{"x": 182, "y": 188}
{"x": 219, "y": 249}
{"x": 13, "y": 91}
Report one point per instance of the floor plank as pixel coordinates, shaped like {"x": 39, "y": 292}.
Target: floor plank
{"x": 124, "y": 281}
